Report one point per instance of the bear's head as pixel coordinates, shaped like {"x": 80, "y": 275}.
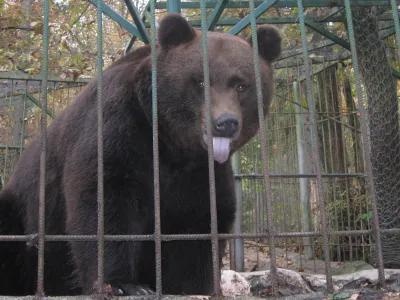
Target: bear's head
{"x": 233, "y": 94}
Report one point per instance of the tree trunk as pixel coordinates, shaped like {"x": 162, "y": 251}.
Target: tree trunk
{"x": 358, "y": 155}
{"x": 330, "y": 133}
{"x": 381, "y": 91}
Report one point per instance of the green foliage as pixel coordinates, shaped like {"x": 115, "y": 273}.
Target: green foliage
{"x": 72, "y": 44}
{"x": 365, "y": 217}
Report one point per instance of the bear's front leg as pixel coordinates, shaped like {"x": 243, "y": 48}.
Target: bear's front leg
{"x": 121, "y": 258}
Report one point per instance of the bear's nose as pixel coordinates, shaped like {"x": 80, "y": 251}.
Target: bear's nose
{"x": 226, "y": 125}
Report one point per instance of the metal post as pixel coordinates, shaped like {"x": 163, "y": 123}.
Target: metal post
{"x": 239, "y": 245}
{"x": 232, "y": 255}
{"x": 304, "y": 196}
{"x": 174, "y": 6}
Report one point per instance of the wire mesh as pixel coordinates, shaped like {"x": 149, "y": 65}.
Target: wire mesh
{"x": 383, "y": 119}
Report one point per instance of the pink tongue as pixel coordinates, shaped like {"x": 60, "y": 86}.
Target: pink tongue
{"x": 221, "y": 149}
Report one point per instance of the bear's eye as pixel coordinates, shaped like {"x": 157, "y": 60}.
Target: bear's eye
{"x": 241, "y": 88}
{"x": 201, "y": 84}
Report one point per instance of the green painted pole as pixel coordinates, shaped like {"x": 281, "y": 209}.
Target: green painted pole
{"x": 174, "y": 6}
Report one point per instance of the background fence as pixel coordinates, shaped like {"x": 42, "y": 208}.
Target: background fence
{"x": 319, "y": 71}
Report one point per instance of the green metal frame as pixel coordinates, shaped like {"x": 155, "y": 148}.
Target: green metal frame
{"x": 140, "y": 29}
{"x": 37, "y": 103}
{"x": 283, "y": 3}
{"x": 174, "y": 6}
{"x": 138, "y": 21}
{"x": 321, "y": 30}
{"x": 278, "y": 20}
{"x": 33, "y": 77}
{"x": 119, "y": 19}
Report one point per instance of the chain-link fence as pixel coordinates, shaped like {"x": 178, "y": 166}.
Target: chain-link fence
{"x": 383, "y": 116}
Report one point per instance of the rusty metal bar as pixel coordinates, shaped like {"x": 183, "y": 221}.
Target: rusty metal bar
{"x": 205, "y": 236}
{"x": 211, "y": 171}
{"x": 263, "y": 139}
{"x": 43, "y": 145}
{"x": 315, "y": 146}
{"x": 100, "y": 165}
{"x": 156, "y": 162}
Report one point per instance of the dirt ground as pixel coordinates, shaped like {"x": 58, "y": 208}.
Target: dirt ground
{"x": 257, "y": 259}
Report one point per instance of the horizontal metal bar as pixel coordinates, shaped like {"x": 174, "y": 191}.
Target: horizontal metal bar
{"x": 28, "y": 77}
{"x": 331, "y": 12}
{"x": 186, "y": 237}
{"x": 283, "y": 20}
{"x": 321, "y": 30}
{"x": 119, "y": 19}
{"x": 10, "y": 147}
{"x": 331, "y": 175}
{"x": 292, "y": 63}
{"x": 298, "y": 51}
{"x": 284, "y": 3}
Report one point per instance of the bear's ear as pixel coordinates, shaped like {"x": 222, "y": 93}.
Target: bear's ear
{"x": 174, "y": 30}
{"x": 269, "y": 42}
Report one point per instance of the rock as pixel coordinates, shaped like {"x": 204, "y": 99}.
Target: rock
{"x": 234, "y": 284}
{"x": 352, "y": 267}
{"x": 289, "y": 283}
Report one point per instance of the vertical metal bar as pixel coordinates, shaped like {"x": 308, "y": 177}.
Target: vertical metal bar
{"x": 304, "y": 197}
{"x": 157, "y": 221}
{"x": 396, "y": 25}
{"x": 213, "y": 202}
{"x": 100, "y": 175}
{"x": 239, "y": 245}
{"x": 174, "y": 6}
{"x": 23, "y": 121}
{"x": 263, "y": 141}
{"x": 43, "y": 144}
{"x": 232, "y": 254}
{"x": 5, "y": 175}
{"x": 366, "y": 145}
{"x": 314, "y": 142}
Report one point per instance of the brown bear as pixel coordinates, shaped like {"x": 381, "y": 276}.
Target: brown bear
{"x": 71, "y": 174}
